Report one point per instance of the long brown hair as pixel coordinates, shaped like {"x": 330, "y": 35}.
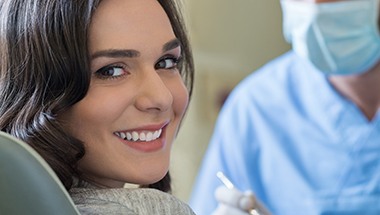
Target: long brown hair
{"x": 44, "y": 70}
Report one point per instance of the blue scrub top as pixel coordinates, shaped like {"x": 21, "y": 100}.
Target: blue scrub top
{"x": 288, "y": 135}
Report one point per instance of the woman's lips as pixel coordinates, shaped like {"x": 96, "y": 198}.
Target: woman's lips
{"x": 144, "y": 139}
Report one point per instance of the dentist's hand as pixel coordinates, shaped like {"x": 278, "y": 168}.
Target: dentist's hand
{"x": 235, "y": 202}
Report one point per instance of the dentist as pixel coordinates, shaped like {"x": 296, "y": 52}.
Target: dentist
{"x": 303, "y": 132}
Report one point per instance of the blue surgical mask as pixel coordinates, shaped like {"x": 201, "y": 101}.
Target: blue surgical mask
{"x": 338, "y": 37}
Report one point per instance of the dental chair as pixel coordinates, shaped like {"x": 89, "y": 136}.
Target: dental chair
{"x": 27, "y": 184}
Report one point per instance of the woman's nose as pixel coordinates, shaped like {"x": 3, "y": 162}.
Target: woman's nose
{"x": 154, "y": 93}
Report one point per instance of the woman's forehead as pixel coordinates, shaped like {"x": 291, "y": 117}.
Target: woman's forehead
{"x": 129, "y": 24}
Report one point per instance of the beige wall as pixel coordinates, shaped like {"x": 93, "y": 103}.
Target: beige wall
{"x": 230, "y": 39}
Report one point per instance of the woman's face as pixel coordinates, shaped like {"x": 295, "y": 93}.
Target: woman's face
{"x": 136, "y": 100}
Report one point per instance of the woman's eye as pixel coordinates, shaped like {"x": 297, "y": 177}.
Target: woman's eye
{"x": 110, "y": 72}
{"x": 167, "y": 63}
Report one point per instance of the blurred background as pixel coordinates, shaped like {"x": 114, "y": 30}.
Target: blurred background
{"x": 230, "y": 40}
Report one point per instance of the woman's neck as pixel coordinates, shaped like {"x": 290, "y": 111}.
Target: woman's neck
{"x": 363, "y": 90}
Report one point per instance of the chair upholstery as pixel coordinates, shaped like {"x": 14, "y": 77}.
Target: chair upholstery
{"x": 27, "y": 184}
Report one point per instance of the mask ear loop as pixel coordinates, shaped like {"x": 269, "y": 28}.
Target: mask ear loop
{"x": 317, "y": 9}
{"x": 328, "y": 57}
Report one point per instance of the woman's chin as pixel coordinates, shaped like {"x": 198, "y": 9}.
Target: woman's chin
{"x": 153, "y": 177}
{"x": 157, "y": 177}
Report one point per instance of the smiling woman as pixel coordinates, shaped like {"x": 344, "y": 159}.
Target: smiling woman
{"x": 99, "y": 89}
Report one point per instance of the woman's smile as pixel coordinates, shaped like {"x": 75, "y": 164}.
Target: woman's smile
{"x": 146, "y": 138}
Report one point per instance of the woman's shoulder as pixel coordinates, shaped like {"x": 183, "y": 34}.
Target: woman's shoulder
{"x": 128, "y": 201}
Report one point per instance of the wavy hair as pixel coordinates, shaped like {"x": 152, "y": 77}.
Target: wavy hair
{"x": 44, "y": 70}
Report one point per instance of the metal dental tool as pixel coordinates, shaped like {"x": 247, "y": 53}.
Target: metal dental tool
{"x": 258, "y": 210}
{"x": 225, "y": 180}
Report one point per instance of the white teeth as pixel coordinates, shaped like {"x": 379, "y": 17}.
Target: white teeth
{"x": 149, "y": 136}
{"x": 136, "y": 136}
{"x": 129, "y": 136}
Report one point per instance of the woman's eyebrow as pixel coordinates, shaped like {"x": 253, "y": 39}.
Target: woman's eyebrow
{"x": 171, "y": 45}
{"x": 130, "y": 53}
{"x": 116, "y": 53}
